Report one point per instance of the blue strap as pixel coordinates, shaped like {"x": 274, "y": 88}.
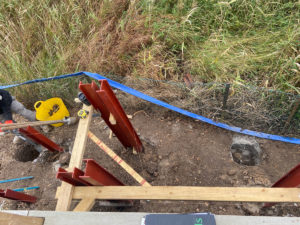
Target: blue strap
{"x": 25, "y": 189}
{"x": 15, "y": 179}
{"x": 168, "y": 106}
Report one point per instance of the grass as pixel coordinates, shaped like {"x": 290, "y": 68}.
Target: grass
{"x": 241, "y": 41}
{"x": 252, "y": 42}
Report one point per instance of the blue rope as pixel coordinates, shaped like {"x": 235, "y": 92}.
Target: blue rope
{"x": 25, "y": 189}
{"x": 15, "y": 179}
{"x": 166, "y": 105}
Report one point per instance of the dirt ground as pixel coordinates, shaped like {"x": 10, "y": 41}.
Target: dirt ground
{"x": 178, "y": 151}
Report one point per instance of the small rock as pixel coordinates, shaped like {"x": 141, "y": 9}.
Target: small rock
{"x": 43, "y": 157}
{"x": 56, "y": 165}
{"x": 231, "y": 172}
{"x": 59, "y": 140}
{"x": 64, "y": 158}
{"x": 199, "y": 172}
{"x": 246, "y": 177}
{"x": 223, "y": 177}
{"x": 46, "y": 128}
{"x": 237, "y": 206}
{"x": 270, "y": 212}
{"x": 251, "y": 208}
{"x": 17, "y": 140}
{"x": 151, "y": 168}
{"x": 160, "y": 157}
{"x": 245, "y": 150}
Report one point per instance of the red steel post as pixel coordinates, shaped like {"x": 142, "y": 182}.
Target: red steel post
{"x": 291, "y": 179}
{"x": 104, "y": 100}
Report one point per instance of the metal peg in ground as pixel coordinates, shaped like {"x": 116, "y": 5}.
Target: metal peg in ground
{"x": 245, "y": 150}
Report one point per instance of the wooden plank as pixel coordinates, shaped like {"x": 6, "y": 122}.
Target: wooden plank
{"x": 230, "y": 194}
{"x": 65, "y": 197}
{"x": 12, "y": 126}
{"x": 80, "y": 140}
{"x": 13, "y": 219}
{"x": 120, "y": 161}
{"x": 85, "y": 205}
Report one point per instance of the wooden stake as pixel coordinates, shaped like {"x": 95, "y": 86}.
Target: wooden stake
{"x": 85, "y": 205}
{"x": 120, "y": 161}
{"x": 64, "y": 200}
{"x": 293, "y": 112}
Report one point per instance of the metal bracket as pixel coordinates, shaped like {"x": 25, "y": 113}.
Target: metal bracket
{"x": 72, "y": 177}
{"x": 94, "y": 175}
{"x": 97, "y": 175}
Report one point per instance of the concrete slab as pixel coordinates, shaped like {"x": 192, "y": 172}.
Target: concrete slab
{"x": 113, "y": 218}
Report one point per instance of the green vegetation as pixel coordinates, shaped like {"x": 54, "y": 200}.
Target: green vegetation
{"x": 244, "y": 41}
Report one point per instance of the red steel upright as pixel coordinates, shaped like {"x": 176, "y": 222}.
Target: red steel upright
{"x": 41, "y": 139}
{"x": 104, "y": 100}
{"x": 291, "y": 179}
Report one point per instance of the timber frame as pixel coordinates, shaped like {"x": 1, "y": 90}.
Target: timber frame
{"x": 88, "y": 194}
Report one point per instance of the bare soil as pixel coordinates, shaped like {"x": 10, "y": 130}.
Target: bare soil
{"x": 178, "y": 151}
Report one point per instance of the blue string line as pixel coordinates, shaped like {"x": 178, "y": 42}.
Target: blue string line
{"x": 15, "y": 179}
{"x": 168, "y": 106}
{"x": 26, "y": 188}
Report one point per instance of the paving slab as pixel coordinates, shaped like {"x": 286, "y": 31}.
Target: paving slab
{"x": 113, "y": 218}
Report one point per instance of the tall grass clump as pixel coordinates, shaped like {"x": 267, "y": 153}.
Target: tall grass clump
{"x": 37, "y": 38}
{"x": 244, "y": 41}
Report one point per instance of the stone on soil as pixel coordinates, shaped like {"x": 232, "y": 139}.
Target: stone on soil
{"x": 245, "y": 150}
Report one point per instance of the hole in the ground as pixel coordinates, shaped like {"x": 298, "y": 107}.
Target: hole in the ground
{"x": 26, "y": 153}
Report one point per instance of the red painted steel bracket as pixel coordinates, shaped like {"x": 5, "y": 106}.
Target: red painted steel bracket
{"x": 104, "y": 100}
{"x": 97, "y": 175}
{"x": 291, "y": 179}
{"x": 72, "y": 177}
{"x": 94, "y": 175}
{"x": 41, "y": 139}
{"x": 15, "y": 195}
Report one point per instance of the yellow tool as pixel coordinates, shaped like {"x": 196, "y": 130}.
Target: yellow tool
{"x": 82, "y": 113}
